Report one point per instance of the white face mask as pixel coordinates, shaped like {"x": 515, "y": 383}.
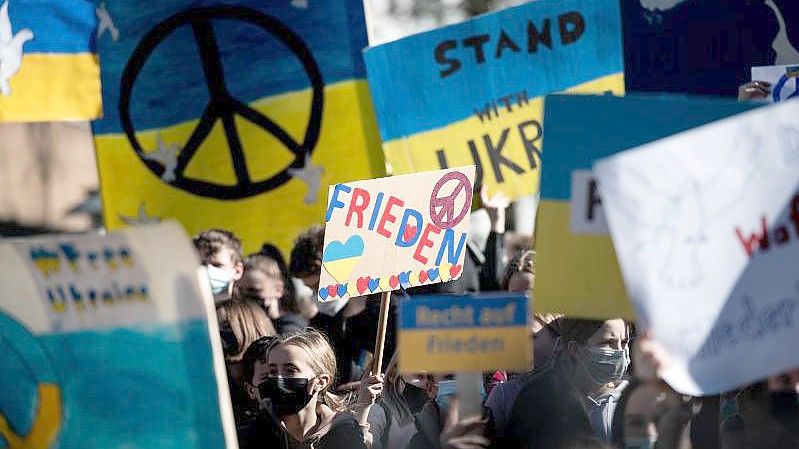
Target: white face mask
{"x": 331, "y": 308}
{"x": 219, "y": 279}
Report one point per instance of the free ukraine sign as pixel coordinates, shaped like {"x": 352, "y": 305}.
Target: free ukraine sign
{"x": 472, "y": 93}
{"x": 449, "y": 333}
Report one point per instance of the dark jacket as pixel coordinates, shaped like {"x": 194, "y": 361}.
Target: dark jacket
{"x": 428, "y": 428}
{"x": 340, "y": 432}
{"x": 548, "y": 413}
{"x": 290, "y": 322}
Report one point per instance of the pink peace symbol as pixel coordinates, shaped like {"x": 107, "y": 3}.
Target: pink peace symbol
{"x": 442, "y": 209}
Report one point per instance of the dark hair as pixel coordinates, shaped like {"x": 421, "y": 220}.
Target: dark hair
{"x": 209, "y": 242}
{"x": 256, "y": 352}
{"x": 289, "y": 300}
{"x": 575, "y": 329}
{"x": 306, "y": 255}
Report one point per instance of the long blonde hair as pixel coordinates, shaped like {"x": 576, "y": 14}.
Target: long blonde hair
{"x": 321, "y": 358}
{"x": 247, "y": 321}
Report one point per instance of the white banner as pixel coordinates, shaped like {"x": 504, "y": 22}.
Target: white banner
{"x": 706, "y": 227}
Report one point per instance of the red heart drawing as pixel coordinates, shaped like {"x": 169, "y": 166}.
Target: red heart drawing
{"x": 423, "y": 276}
{"x": 455, "y": 270}
{"x": 408, "y": 233}
{"x": 332, "y": 290}
{"x": 393, "y": 282}
{"x": 362, "y": 283}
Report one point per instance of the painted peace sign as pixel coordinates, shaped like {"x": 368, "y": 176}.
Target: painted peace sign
{"x": 442, "y": 209}
{"x": 222, "y": 106}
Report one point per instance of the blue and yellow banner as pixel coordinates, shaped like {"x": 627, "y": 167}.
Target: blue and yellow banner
{"x": 233, "y": 114}
{"x": 576, "y": 268}
{"x": 48, "y": 61}
{"x": 448, "y": 333}
{"x": 472, "y": 93}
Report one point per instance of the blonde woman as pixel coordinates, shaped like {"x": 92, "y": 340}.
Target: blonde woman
{"x": 293, "y": 385}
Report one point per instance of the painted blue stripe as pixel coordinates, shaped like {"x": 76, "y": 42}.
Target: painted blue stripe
{"x": 460, "y": 304}
{"x": 580, "y": 129}
{"x": 410, "y": 96}
{"x": 171, "y": 87}
{"x": 58, "y": 26}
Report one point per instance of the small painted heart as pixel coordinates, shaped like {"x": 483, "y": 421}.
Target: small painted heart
{"x": 408, "y": 233}
{"x": 323, "y": 294}
{"x": 455, "y": 271}
{"x": 342, "y": 290}
{"x": 363, "y": 284}
{"x": 393, "y": 281}
{"x": 423, "y": 276}
{"x": 373, "y": 284}
{"x": 432, "y": 274}
{"x": 332, "y": 290}
{"x": 404, "y": 278}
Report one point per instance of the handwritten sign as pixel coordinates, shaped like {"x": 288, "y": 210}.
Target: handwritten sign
{"x": 480, "y": 332}
{"x": 82, "y": 316}
{"x": 705, "y": 224}
{"x": 577, "y": 271}
{"x": 401, "y": 231}
{"x": 472, "y": 93}
{"x": 782, "y": 78}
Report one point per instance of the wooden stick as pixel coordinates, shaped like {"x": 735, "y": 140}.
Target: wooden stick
{"x": 382, "y": 325}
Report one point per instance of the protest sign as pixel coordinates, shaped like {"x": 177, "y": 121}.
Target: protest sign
{"x": 108, "y": 341}
{"x": 236, "y": 116}
{"x": 481, "y": 332}
{"x": 705, "y": 225}
{"x": 472, "y": 93}
{"x": 577, "y": 272}
{"x": 49, "y": 63}
{"x": 702, "y": 48}
{"x": 782, "y": 78}
{"x": 400, "y": 231}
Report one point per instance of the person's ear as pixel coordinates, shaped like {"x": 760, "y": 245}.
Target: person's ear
{"x": 322, "y": 382}
{"x": 252, "y": 391}
{"x": 239, "y": 271}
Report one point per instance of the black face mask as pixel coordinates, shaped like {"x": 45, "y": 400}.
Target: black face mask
{"x": 288, "y": 395}
{"x": 415, "y": 396}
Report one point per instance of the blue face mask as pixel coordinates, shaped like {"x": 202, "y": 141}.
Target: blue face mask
{"x": 607, "y": 365}
{"x": 219, "y": 278}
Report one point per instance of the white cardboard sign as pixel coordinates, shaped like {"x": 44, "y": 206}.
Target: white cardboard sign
{"x": 783, "y": 79}
{"x": 396, "y": 232}
{"x": 706, "y": 227}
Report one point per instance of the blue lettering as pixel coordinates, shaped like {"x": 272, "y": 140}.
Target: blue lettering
{"x": 401, "y": 241}
{"x": 334, "y": 201}
{"x": 449, "y": 242}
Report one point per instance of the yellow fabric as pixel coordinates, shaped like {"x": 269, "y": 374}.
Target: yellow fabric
{"x": 54, "y": 86}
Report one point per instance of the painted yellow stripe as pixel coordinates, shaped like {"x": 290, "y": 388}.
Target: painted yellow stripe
{"x": 575, "y": 274}
{"x": 475, "y": 349}
{"x": 51, "y": 87}
{"x": 418, "y": 152}
{"x": 348, "y": 148}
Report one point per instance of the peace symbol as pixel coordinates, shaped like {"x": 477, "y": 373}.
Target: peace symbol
{"x": 777, "y": 92}
{"x": 442, "y": 209}
{"x": 222, "y": 106}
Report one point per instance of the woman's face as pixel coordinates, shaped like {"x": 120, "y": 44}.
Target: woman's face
{"x": 612, "y": 335}
{"x": 599, "y": 363}
{"x": 292, "y": 361}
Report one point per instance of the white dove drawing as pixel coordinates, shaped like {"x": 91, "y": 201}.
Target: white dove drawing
{"x": 10, "y": 49}
{"x": 310, "y": 174}
{"x": 686, "y": 205}
{"x": 141, "y": 217}
{"x": 166, "y": 155}
{"x": 106, "y": 23}
{"x": 301, "y": 4}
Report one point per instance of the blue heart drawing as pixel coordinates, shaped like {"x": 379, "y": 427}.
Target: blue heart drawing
{"x": 323, "y": 293}
{"x": 337, "y": 250}
{"x": 342, "y": 290}
{"x": 403, "y": 278}
{"x": 373, "y": 284}
{"x": 432, "y": 274}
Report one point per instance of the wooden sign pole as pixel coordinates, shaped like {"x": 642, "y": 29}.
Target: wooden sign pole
{"x": 382, "y": 325}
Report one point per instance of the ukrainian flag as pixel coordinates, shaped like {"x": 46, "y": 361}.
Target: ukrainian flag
{"x": 49, "y": 69}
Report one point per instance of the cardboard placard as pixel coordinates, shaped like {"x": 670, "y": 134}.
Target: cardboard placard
{"x": 395, "y": 232}
{"x": 783, "y": 79}
{"x": 466, "y": 333}
{"x": 576, "y": 268}
{"x": 110, "y": 341}
{"x": 705, "y": 225}
{"x": 472, "y": 93}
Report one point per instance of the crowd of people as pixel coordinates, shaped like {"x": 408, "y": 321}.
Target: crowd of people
{"x": 301, "y": 372}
